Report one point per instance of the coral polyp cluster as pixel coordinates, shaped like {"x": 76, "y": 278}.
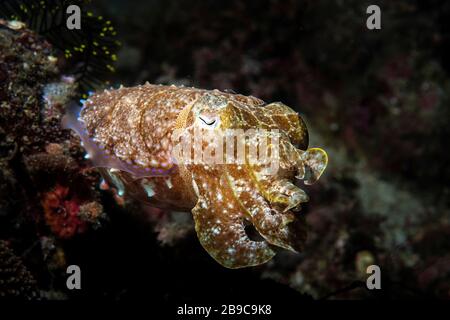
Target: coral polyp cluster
{"x": 62, "y": 212}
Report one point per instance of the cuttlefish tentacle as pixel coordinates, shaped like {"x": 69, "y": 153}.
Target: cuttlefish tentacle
{"x": 285, "y": 195}
{"x": 219, "y": 223}
{"x": 308, "y": 165}
{"x": 282, "y": 229}
{"x": 278, "y": 189}
{"x": 315, "y": 160}
{"x": 281, "y": 192}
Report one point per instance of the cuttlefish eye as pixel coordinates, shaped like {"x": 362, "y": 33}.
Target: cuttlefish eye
{"x": 209, "y": 121}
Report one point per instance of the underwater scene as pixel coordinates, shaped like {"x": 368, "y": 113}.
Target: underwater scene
{"x": 223, "y": 157}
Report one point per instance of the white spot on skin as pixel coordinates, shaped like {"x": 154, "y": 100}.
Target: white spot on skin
{"x": 195, "y": 187}
{"x": 141, "y": 163}
{"x": 148, "y": 187}
{"x": 169, "y": 183}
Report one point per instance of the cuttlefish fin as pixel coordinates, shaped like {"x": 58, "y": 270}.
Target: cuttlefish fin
{"x": 219, "y": 223}
{"x": 315, "y": 161}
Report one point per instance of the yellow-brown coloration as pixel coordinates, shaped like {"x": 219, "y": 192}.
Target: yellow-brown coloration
{"x": 135, "y": 127}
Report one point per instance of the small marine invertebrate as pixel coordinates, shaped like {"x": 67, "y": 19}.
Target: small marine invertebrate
{"x": 91, "y": 212}
{"x": 57, "y": 94}
{"x": 133, "y": 135}
{"x": 170, "y": 226}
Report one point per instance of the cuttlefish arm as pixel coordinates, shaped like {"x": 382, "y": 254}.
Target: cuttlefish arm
{"x": 280, "y": 228}
{"x": 270, "y": 199}
{"x": 315, "y": 161}
{"x": 282, "y": 193}
{"x": 219, "y": 222}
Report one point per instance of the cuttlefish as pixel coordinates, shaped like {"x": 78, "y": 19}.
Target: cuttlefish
{"x": 242, "y": 211}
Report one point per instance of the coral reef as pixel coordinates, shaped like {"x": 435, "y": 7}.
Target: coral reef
{"x": 46, "y": 188}
{"x": 89, "y": 52}
{"x": 25, "y": 65}
{"x": 15, "y": 280}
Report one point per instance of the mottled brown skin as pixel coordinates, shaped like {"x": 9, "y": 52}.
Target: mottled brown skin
{"x": 135, "y": 127}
